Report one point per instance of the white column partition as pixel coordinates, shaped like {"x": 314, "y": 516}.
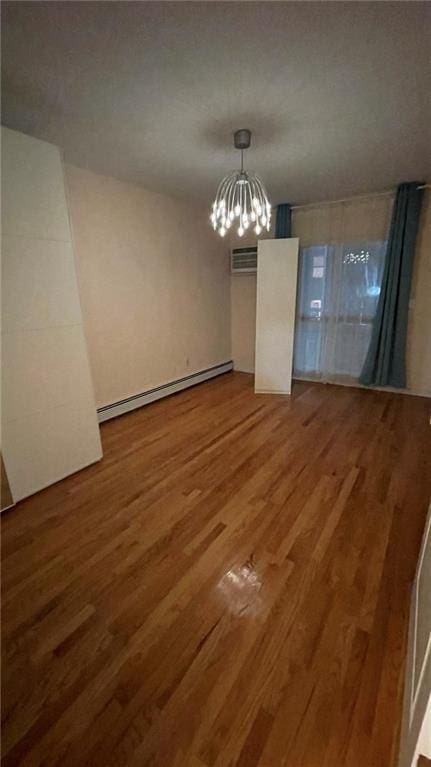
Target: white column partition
{"x": 49, "y": 423}
{"x": 277, "y": 268}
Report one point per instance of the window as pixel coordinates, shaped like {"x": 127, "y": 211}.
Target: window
{"x": 338, "y": 290}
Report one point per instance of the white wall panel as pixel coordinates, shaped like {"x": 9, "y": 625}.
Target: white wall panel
{"x": 37, "y": 265}
{"x": 44, "y": 368}
{"x": 49, "y": 423}
{"x": 34, "y": 202}
{"x": 415, "y": 732}
{"x": 47, "y": 446}
{"x": 277, "y": 268}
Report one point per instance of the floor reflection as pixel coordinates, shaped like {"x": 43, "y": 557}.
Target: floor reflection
{"x": 240, "y": 588}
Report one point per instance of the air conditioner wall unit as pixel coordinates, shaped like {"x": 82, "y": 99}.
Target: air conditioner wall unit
{"x": 243, "y": 260}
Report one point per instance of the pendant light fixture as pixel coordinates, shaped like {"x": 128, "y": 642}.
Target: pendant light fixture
{"x": 241, "y": 197}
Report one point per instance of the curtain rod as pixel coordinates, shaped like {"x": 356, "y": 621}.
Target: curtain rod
{"x": 386, "y": 193}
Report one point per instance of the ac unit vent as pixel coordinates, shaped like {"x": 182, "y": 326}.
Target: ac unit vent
{"x": 243, "y": 260}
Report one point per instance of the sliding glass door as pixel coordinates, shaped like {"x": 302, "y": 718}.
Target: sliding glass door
{"x": 338, "y": 290}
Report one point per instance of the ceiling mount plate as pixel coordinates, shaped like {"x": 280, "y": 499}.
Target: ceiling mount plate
{"x": 242, "y": 138}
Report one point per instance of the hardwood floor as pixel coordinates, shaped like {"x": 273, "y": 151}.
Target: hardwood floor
{"x": 229, "y": 586}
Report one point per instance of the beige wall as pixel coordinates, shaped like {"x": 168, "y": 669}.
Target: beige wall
{"x": 419, "y": 336}
{"x": 49, "y": 423}
{"x": 315, "y": 224}
{"x": 154, "y": 285}
{"x": 367, "y": 218}
{"x": 243, "y": 315}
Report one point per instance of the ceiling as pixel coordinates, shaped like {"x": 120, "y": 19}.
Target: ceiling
{"x": 337, "y": 94}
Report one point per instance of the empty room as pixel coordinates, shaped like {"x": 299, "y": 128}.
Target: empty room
{"x": 215, "y": 384}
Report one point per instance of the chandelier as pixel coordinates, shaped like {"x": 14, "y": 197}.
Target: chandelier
{"x": 241, "y": 197}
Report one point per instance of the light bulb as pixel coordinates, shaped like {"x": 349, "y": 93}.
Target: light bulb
{"x": 240, "y": 200}
{"x": 257, "y": 229}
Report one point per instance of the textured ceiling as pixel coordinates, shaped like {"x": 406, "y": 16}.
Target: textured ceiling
{"x": 337, "y": 94}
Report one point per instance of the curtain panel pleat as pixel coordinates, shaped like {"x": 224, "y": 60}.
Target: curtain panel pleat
{"x": 385, "y": 363}
{"x": 283, "y": 221}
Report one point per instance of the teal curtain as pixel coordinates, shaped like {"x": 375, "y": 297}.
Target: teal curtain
{"x": 283, "y": 221}
{"x": 385, "y": 363}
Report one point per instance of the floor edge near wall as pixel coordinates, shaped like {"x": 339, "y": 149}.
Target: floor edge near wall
{"x": 165, "y": 390}
{"x": 357, "y": 385}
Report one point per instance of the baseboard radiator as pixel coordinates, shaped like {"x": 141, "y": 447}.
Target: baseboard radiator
{"x": 138, "y": 400}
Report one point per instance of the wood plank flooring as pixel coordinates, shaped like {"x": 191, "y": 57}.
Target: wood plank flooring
{"x": 229, "y": 586}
